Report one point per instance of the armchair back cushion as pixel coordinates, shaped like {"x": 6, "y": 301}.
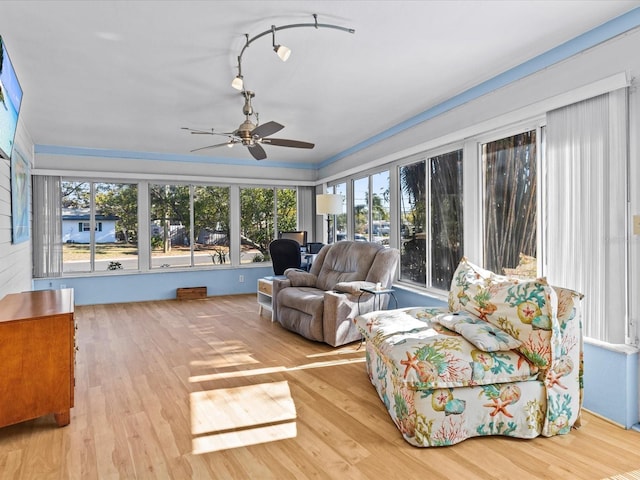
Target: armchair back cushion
{"x": 346, "y": 262}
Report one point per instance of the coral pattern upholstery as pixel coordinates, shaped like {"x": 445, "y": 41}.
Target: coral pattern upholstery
{"x": 440, "y": 388}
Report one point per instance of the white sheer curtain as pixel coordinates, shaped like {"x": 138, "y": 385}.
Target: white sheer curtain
{"x": 47, "y": 227}
{"x": 306, "y": 215}
{"x": 586, "y": 209}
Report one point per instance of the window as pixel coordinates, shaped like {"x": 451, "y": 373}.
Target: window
{"x": 287, "y": 209}
{"x": 380, "y": 210}
{"x": 263, "y": 213}
{"x": 338, "y": 223}
{"x": 510, "y": 205}
{"x": 76, "y": 207}
{"x": 413, "y": 218}
{"x": 370, "y": 209}
{"x": 174, "y": 209}
{"x": 446, "y": 217}
{"x": 361, "y": 208}
{"x": 86, "y": 227}
{"x": 211, "y": 220}
{"x": 113, "y": 211}
{"x": 170, "y": 230}
{"x": 431, "y": 220}
{"x": 189, "y": 225}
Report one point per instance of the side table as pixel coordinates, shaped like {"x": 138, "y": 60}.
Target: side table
{"x": 377, "y": 294}
{"x": 265, "y": 290}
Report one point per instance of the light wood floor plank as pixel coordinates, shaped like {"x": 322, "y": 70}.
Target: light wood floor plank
{"x": 208, "y": 389}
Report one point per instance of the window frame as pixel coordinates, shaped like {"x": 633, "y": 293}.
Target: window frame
{"x": 94, "y": 225}
{"x": 426, "y": 157}
{"x": 144, "y": 218}
{"x": 538, "y": 124}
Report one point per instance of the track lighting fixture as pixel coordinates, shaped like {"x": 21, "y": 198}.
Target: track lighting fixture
{"x": 282, "y": 51}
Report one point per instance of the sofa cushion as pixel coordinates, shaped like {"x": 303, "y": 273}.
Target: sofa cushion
{"x": 483, "y": 335}
{"x": 423, "y": 355}
{"x": 523, "y": 308}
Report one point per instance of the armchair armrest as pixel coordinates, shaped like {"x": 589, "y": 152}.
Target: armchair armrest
{"x": 337, "y": 319}
{"x": 278, "y": 284}
{"x": 353, "y": 287}
{"x": 300, "y": 278}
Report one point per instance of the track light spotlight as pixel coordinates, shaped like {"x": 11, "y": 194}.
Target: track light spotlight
{"x": 238, "y": 83}
{"x": 282, "y": 51}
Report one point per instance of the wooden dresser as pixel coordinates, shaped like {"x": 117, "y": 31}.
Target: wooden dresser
{"x": 37, "y": 356}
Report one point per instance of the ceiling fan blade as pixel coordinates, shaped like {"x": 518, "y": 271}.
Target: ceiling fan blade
{"x": 198, "y": 132}
{"x": 213, "y": 146}
{"x": 257, "y": 151}
{"x": 195, "y": 131}
{"x": 283, "y": 142}
{"x": 266, "y": 129}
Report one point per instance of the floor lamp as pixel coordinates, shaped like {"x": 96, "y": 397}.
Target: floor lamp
{"x": 329, "y": 204}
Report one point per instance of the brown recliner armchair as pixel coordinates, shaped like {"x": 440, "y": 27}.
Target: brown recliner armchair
{"x": 322, "y": 303}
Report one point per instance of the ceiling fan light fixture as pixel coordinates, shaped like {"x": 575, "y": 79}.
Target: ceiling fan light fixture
{"x": 238, "y": 83}
{"x": 283, "y": 52}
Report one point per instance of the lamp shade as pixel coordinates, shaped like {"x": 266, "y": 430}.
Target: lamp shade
{"x": 328, "y": 203}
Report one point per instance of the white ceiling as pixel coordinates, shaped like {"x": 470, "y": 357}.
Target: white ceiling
{"x": 126, "y": 75}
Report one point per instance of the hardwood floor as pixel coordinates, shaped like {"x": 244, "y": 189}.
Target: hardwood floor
{"x": 208, "y": 389}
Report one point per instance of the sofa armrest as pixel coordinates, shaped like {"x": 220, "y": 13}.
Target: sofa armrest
{"x": 564, "y": 377}
{"x": 277, "y": 286}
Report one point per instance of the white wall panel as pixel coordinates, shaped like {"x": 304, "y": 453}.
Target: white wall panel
{"x": 15, "y": 260}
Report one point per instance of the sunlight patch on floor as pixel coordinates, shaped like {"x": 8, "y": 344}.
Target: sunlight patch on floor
{"x": 226, "y": 358}
{"x": 255, "y": 436}
{"x": 225, "y": 354}
{"x": 236, "y": 417}
{"x": 268, "y": 370}
{"x": 339, "y": 351}
{"x": 635, "y": 475}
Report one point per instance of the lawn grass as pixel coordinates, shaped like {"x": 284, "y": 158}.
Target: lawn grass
{"x": 81, "y": 251}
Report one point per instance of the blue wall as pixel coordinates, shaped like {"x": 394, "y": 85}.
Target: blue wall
{"x": 611, "y": 383}
{"x": 161, "y": 285}
{"x": 410, "y": 298}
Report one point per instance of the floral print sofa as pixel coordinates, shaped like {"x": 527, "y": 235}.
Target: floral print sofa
{"x": 505, "y": 358}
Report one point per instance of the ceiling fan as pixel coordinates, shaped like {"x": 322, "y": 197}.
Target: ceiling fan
{"x": 252, "y": 135}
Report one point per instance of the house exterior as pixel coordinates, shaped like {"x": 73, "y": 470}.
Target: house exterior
{"x": 76, "y": 227}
